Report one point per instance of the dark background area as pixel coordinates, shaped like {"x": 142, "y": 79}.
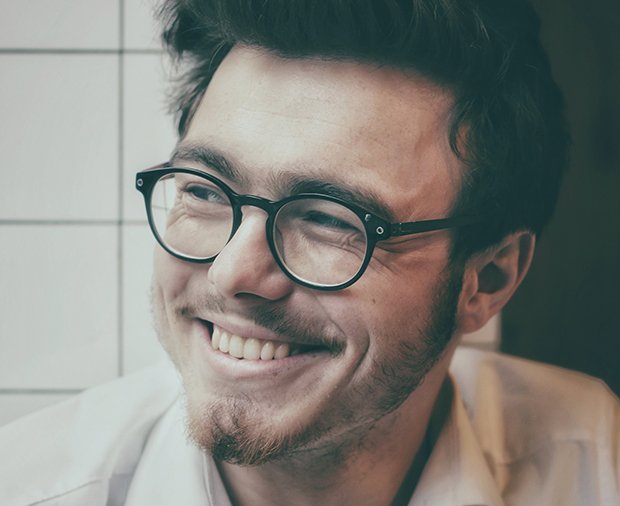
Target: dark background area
{"x": 567, "y": 311}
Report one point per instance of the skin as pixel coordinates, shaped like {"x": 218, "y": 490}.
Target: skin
{"x": 377, "y": 130}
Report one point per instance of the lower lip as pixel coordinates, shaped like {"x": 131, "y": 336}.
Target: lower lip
{"x": 227, "y": 365}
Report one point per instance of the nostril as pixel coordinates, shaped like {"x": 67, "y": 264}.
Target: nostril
{"x": 246, "y": 269}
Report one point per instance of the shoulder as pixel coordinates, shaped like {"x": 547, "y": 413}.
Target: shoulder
{"x": 81, "y": 447}
{"x": 543, "y": 388}
{"x": 543, "y": 422}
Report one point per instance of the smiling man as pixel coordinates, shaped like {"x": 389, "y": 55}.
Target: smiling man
{"x": 355, "y": 186}
{"x": 271, "y": 367}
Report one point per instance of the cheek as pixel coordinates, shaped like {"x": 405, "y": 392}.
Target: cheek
{"x": 170, "y": 279}
{"x": 396, "y": 311}
{"x": 170, "y": 275}
{"x": 373, "y": 314}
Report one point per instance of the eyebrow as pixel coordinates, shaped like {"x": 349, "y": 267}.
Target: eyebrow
{"x": 366, "y": 199}
{"x": 289, "y": 182}
{"x": 210, "y": 158}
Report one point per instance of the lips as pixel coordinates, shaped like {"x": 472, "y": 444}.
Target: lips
{"x": 250, "y": 348}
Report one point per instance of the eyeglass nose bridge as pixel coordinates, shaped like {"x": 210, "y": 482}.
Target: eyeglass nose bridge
{"x": 270, "y": 207}
{"x": 254, "y": 201}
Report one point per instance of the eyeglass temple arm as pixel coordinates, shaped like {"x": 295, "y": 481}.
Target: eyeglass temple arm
{"x": 418, "y": 227}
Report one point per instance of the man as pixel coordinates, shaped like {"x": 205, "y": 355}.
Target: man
{"x": 355, "y": 186}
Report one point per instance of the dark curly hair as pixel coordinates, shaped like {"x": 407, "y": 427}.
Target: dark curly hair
{"x": 508, "y": 123}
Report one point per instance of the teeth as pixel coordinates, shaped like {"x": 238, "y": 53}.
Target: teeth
{"x": 249, "y": 349}
{"x": 215, "y": 339}
{"x": 267, "y": 351}
{"x": 225, "y": 342}
{"x": 236, "y": 346}
{"x": 252, "y": 349}
{"x": 281, "y": 351}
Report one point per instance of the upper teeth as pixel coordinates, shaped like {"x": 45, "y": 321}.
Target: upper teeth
{"x": 248, "y": 348}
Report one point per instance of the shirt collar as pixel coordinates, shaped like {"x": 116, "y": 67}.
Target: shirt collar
{"x": 170, "y": 458}
{"x": 456, "y": 473}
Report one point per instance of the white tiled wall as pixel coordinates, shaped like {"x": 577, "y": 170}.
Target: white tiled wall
{"x": 60, "y": 24}
{"x": 59, "y": 136}
{"x": 82, "y": 108}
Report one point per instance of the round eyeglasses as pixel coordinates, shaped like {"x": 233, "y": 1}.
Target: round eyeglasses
{"x": 319, "y": 241}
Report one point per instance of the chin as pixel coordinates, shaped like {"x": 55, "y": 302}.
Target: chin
{"x": 233, "y": 431}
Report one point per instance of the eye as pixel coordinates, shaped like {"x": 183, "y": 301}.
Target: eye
{"x": 206, "y": 193}
{"x": 329, "y": 221}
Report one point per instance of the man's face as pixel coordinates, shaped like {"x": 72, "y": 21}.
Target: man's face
{"x": 276, "y": 122}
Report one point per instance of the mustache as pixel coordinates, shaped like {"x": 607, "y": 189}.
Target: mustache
{"x": 301, "y": 328}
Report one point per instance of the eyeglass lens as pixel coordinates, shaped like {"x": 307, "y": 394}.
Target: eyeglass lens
{"x": 318, "y": 241}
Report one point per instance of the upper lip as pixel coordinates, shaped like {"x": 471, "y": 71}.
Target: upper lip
{"x": 248, "y": 329}
{"x": 251, "y": 330}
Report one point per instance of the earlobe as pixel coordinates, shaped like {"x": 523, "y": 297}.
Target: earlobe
{"x": 491, "y": 278}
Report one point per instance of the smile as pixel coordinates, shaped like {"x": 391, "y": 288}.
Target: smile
{"x": 255, "y": 349}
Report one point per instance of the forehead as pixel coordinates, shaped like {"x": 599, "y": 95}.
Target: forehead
{"x": 377, "y": 129}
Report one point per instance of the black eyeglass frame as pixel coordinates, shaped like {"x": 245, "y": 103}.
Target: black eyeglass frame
{"x": 377, "y": 229}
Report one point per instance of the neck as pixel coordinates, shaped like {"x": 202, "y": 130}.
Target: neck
{"x": 379, "y": 467}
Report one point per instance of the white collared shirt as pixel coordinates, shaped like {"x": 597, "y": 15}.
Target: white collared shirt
{"x": 518, "y": 433}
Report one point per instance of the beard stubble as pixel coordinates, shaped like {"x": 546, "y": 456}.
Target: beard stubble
{"x": 234, "y": 430}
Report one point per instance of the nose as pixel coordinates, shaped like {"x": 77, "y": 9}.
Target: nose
{"x": 245, "y": 268}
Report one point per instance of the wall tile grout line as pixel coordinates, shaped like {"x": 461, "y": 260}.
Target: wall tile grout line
{"x": 76, "y": 51}
{"x": 26, "y": 222}
{"x": 121, "y": 193}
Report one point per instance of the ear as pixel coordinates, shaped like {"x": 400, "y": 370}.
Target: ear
{"x": 491, "y": 278}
